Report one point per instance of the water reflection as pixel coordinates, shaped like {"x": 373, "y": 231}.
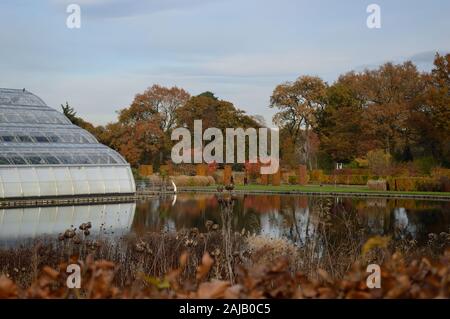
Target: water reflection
{"x": 298, "y": 218}
{"x": 20, "y": 224}
{"x": 301, "y": 219}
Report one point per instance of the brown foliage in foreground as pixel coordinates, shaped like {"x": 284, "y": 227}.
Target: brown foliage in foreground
{"x": 416, "y": 279}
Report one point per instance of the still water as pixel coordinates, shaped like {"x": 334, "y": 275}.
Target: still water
{"x": 296, "y": 218}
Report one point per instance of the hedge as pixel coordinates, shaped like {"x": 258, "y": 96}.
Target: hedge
{"x": 411, "y": 184}
{"x": 440, "y": 172}
{"x": 293, "y": 180}
{"x": 193, "y": 180}
{"x": 317, "y": 175}
{"x": 344, "y": 179}
{"x": 377, "y": 185}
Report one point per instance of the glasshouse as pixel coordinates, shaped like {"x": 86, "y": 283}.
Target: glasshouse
{"x": 43, "y": 154}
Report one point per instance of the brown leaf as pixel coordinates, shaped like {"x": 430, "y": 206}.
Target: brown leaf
{"x": 324, "y": 275}
{"x": 104, "y": 264}
{"x": 233, "y": 292}
{"x": 183, "y": 259}
{"x": 213, "y": 289}
{"x": 358, "y": 295}
{"x": 205, "y": 267}
{"x": 50, "y": 272}
{"x": 326, "y": 293}
{"x": 309, "y": 291}
{"x": 7, "y": 288}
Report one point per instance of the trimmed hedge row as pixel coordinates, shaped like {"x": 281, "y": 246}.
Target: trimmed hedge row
{"x": 438, "y": 182}
{"x": 440, "y": 172}
{"x": 377, "y": 185}
{"x": 339, "y": 179}
{"x": 193, "y": 180}
{"x": 422, "y": 184}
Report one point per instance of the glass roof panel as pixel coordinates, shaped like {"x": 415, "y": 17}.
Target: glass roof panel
{"x": 64, "y": 156}
{"x": 19, "y": 97}
{"x": 31, "y": 133}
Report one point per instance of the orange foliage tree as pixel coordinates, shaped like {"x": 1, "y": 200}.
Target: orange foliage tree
{"x": 142, "y": 133}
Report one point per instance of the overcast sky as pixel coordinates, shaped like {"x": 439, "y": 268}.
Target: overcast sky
{"x": 238, "y": 49}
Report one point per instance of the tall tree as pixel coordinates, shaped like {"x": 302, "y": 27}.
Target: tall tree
{"x": 152, "y": 112}
{"x": 298, "y": 103}
{"x": 156, "y": 102}
{"x": 340, "y": 123}
{"x": 431, "y": 117}
{"x": 214, "y": 113}
{"x": 390, "y": 92}
{"x": 71, "y": 114}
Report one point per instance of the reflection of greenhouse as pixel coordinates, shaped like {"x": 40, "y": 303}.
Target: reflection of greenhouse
{"x": 27, "y": 223}
{"x": 43, "y": 154}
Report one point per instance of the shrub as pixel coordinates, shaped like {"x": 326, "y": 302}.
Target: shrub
{"x": 379, "y": 161}
{"x": 238, "y": 178}
{"x": 302, "y": 175}
{"x": 316, "y": 175}
{"x": 326, "y": 179}
{"x": 344, "y": 179}
{"x": 406, "y": 184}
{"x": 352, "y": 164}
{"x": 440, "y": 172}
{"x": 293, "y": 180}
{"x": 445, "y": 183}
{"x": 411, "y": 184}
{"x": 136, "y": 173}
{"x": 265, "y": 250}
{"x": 378, "y": 185}
{"x": 185, "y": 169}
{"x": 362, "y": 162}
{"x": 429, "y": 185}
{"x": 252, "y": 170}
{"x": 193, "y": 180}
{"x": 348, "y": 179}
{"x": 425, "y": 164}
{"x": 358, "y": 179}
{"x": 218, "y": 176}
{"x": 352, "y": 171}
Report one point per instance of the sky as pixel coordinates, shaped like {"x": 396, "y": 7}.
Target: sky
{"x": 238, "y": 49}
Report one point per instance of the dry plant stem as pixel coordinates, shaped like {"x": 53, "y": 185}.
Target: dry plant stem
{"x": 227, "y": 234}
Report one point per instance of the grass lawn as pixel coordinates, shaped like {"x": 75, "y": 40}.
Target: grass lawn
{"x": 323, "y": 189}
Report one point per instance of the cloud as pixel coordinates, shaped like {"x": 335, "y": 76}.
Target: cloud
{"x": 277, "y": 64}
{"x": 423, "y": 57}
{"x": 423, "y": 60}
{"x": 131, "y": 8}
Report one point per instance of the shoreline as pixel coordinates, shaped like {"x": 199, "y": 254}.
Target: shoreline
{"x": 340, "y": 191}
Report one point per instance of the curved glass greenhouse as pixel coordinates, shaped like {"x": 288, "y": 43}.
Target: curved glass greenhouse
{"x": 43, "y": 154}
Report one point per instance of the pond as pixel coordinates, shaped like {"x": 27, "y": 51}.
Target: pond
{"x": 298, "y": 219}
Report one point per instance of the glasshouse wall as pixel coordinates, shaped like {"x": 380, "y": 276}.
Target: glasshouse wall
{"x": 43, "y": 154}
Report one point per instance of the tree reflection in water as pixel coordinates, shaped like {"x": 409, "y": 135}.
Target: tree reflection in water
{"x": 327, "y": 229}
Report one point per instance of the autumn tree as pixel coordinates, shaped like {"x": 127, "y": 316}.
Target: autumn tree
{"x": 214, "y": 113}
{"x": 148, "y": 123}
{"x": 372, "y": 110}
{"x": 342, "y": 124}
{"x": 298, "y": 103}
{"x": 71, "y": 114}
{"x": 139, "y": 143}
{"x": 157, "y": 102}
{"x": 431, "y": 117}
{"x": 389, "y": 94}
